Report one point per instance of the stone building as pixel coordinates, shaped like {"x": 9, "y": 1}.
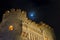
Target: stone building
{"x": 34, "y": 31}
{"x": 30, "y": 30}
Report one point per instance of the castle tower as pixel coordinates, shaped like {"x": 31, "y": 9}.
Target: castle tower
{"x": 30, "y": 29}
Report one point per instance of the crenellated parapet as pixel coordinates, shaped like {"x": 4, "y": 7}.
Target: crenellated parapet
{"x": 30, "y": 29}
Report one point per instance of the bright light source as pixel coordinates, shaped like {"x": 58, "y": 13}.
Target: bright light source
{"x": 32, "y": 15}
{"x": 11, "y": 28}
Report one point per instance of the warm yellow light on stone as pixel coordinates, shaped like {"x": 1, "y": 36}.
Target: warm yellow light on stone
{"x": 11, "y": 28}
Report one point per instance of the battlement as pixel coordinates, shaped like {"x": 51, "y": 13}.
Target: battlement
{"x": 22, "y": 15}
{"x": 30, "y": 29}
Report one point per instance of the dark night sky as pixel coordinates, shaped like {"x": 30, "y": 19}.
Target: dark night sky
{"x": 49, "y": 8}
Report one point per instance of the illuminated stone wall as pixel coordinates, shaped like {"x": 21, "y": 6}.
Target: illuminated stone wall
{"x": 30, "y": 29}
{"x": 34, "y": 31}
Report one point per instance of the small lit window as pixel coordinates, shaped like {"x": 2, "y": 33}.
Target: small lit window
{"x": 11, "y": 28}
